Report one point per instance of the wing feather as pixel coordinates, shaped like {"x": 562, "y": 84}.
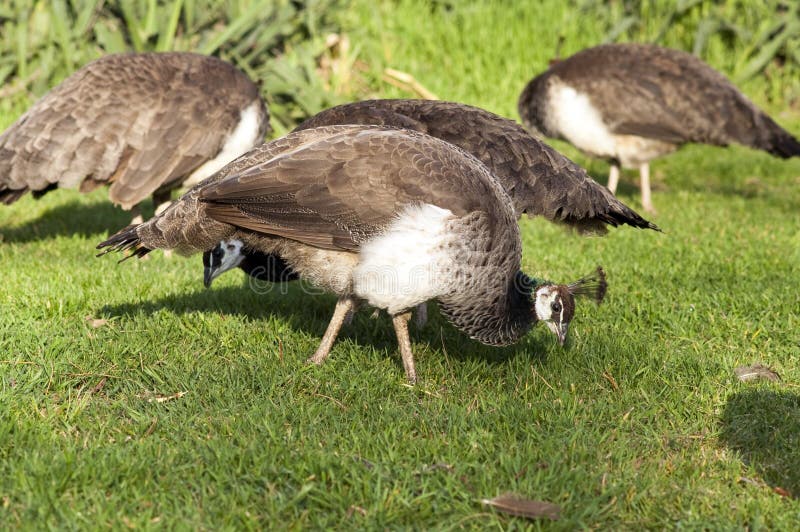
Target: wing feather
{"x": 662, "y": 94}
{"x": 141, "y": 121}
{"x": 347, "y": 186}
{"x": 539, "y": 180}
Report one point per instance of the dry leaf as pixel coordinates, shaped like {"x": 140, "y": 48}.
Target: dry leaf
{"x": 151, "y": 428}
{"x": 98, "y": 386}
{"x": 165, "y": 398}
{"x": 406, "y": 81}
{"x": 96, "y": 322}
{"x": 782, "y": 492}
{"x": 435, "y": 467}
{"x": 610, "y": 378}
{"x": 757, "y": 482}
{"x": 519, "y": 506}
{"x": 353, "y": 508}
{"x": 755, "y": 372}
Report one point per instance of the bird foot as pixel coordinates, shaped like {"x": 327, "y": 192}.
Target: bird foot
{"x": 317, "y": 358}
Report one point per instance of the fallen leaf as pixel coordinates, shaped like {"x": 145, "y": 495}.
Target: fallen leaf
{"x": 755, "y": 372}
{"x": 435, "y": 467}
{"x": 782, "y": 492}
{"x": 353, "y": 508}
{"x": 406, "y": 81}
{"x": 96, "y": 322}
{"x": 515, "y": 505}
{"x": 610, "y": 378}
{"x": 98, "y": 386}
{"x": 752, "y": 481}
{"x": 151, "y": 428}
{"x": 165, "y": 398}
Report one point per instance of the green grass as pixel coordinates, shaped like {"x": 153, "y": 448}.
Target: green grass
{"x": 637, "y": 423}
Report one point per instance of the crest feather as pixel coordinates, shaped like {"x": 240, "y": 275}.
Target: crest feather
{"x": 592, "y": 286}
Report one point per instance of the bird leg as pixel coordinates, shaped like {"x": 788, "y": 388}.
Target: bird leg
{"x": 161, "y": 200}
{"x": 343, "y": 307}
{"x": 613, "y": 178}
{"x": 421, "y": 315}
{"x": 136, "y": 211}
{"x": 400, "y": 322}
{"x": 644, "y": 183}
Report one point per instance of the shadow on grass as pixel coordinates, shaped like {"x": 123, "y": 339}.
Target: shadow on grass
{"x": 764, "y": 427}
{"x": 73, "y": 218}
{"x": 310, "y": 314}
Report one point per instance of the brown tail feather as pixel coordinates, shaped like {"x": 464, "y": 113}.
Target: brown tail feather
{"x": 126, "y": 239}
{"x": 10, "y": 195}
{"x": 783, "y": 144}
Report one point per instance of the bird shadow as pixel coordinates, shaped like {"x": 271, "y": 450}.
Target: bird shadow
{"x": 310, "y": 314}
{"x": 75, "y": 218}
{"x": 762, "y": 426}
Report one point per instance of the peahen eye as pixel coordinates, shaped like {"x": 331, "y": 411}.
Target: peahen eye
{"x": 556, "y": 307}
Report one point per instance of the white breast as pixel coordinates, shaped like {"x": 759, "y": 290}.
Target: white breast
{"x": 408, "y": 264}
{"x": 243, "y": 138}
{"x": 579, "y": 122}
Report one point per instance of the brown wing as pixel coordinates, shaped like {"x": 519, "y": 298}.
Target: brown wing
{"x": 391, "y": 113}
{"x": 539, "y": 180}
{"x": 350, "y": 184}
{"x": 141, "y": 121}
{"x": 663, "y": 94}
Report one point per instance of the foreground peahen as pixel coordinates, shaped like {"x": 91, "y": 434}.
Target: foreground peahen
{"x": 387, "y": 217}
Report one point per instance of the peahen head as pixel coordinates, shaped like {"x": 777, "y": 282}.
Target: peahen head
{"x": 225, "y": 256}
{"x": 555, "y": 304}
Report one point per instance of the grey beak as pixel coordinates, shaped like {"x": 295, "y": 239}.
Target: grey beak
{"x": 208, "y": 269}
{"x": 562, "y": 333}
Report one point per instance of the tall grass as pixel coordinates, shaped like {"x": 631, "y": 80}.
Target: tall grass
{"x": 277, "y": 42}
{"x": 755, "y": 43}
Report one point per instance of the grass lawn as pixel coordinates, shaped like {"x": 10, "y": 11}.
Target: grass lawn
{"x": 132, "y": 397}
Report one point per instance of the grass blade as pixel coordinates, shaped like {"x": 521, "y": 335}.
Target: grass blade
{"x": 166, "y": 38}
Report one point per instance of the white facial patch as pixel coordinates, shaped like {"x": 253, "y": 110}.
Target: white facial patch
{"x": 579, "y": 122}
{"x": 232, "y": 256}
{"x": 544, "y": 303}
{"x": 409, "y": 263}
{"x": 245, "y": 137}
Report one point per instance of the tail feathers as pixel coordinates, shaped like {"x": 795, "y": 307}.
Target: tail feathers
{"x": 598, "y": 224}
{"x": 624, "y": 215}
{"x": 783, "y": 144}
{"x": 614, "y": 215}
{"x": 10, "y": 195}
{"x": 126, "y": 239}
